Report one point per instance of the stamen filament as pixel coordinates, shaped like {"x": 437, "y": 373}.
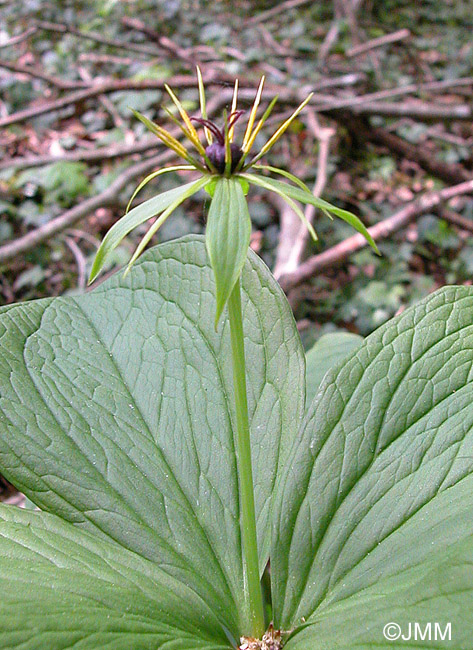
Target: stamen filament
{"x": 251, "y": 119}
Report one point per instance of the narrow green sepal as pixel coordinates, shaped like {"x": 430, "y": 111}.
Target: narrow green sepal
{"x": 134, "y": 218}
{"x": 227, "y": 237}
{"x": 298, "y": 194}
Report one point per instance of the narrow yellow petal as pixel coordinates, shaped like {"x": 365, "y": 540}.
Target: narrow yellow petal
{"x": 203, "y": 107}
{"x": 252, "y": 117}
{"x": 234, "y": 105}
{"x": 186, "y": 119}
{"x": 274, "y": 138}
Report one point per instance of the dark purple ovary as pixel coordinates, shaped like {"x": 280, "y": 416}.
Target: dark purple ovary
{"x": 216, "y": 154}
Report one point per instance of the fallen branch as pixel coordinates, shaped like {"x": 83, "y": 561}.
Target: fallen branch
{"x": 38, "y": 74}
{"x": 14, "y": 40}
{"x": 463, "y": 223}
{"x": 86, "y": 208}
{"x": 337, "y": 254}
{"x": 165, "y": 43}
{"x": 449, "y": 172}
{"x": 334, "y": 31}
{"x": 293, "y": 234}
{"x": 97, "y": 154}
{"x": 423, "y": 111}
{"x": 278, "y": 9}
{"x": 97, "y": 38}
{"x": 110, "y": 152}
{"x": 106, "y": 102}
{"x": 387, "y": 39}
{"x": 103, "y": 88}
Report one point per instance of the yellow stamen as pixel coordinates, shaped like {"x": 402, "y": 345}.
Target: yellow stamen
{"x": 188, "y": 135}
{"x": 169, "y": 140}
{"x": 192, "y": 135}
{"x": 234, "y": 105}
{"x": 252, "y": 117}
{"x": 274, "y": 138}
{"x": 259, "y": 126}
{"x": 203, "y": 108}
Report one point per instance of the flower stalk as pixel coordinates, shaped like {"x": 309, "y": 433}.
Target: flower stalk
{"x": 253, "y": 594}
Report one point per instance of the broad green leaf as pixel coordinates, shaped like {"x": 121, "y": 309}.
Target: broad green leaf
{"x": 382, "y": 473}
{"x": 116, "y": 413}
{"x": 326, "y": 353}
{"x": 227, "y": 237}
{"x": 428, "y": 607}
{"x": 62, "y": 587}
{"x": 135, "y": 218}
{"x": 299, "y": 194}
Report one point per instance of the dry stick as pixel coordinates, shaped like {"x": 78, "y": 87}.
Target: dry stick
{"x": 448, "y": 172}
{"x": 337, "y": 254}
{"x": 387, "y": 39}
{"x": 278, "y": 9}
{"x": 102, "y": 88}
{"x": 333, "y": 32}
{"x": 294, "y": 235}
{"x": 80, "y": 261}
{"x": 455, "y": 219}
{"x": 98, "y": 38}
{"x": 18, "y": 39}
{"x": 163, "y": 42}
{"x": 418, "y": 111}
{"x": 106, "y": 102}
{"x": 370, "y": 98}
{"x": 97, "y": 154}
{"x": 84, "y": 209}
{"x": 33, "y": 72}
{"x": 111, "y": 152}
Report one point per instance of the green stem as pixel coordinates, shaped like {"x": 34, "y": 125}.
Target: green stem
{"x": 245, "y": 473}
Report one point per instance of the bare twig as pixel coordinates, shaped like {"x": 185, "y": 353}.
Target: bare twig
{"x": 281, "y": 7}
{"x": 410, "y": 89}
{"x": 104, "y": 100}
{"x": 97, "y": 154}
{"x": 103, "y": 88}
{"x": 334, "y": 31}
{"x": 80, "y": 261}
{"x": 294, "y": 235}
{"x": 426, "y": 112}
{"x": 14, "y": 40}
{"x": 387, "y": 39}
{"x": 97, "y": 38}
{"x": 337, "y": 254}
{"x": 454, "y": 218}
{"x": 84, "y": 209}
{"x": 38, "y": 74}
{"x": 448, "y": 172}
{"x": 163, "y": 41}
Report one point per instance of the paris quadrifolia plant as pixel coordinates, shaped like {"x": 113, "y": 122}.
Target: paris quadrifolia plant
{"x": 199, "y": 483}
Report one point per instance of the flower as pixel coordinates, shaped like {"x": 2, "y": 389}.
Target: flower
{"x": 220, "y": 158}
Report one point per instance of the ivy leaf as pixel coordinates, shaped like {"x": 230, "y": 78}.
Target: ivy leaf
{"x": 62, "y": 587}
{"x": 381, "y": 477}
{"x": 116, "y": 413}
{"x": 227, "y": 237}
